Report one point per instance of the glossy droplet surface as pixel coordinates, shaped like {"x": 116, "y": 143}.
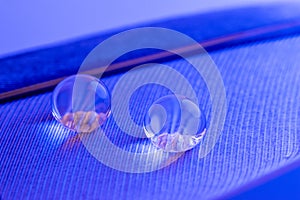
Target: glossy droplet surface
{"x": 175, "y": 123}
{"x": 81, "y": 103}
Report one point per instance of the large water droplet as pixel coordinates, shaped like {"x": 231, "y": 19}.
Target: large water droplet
{"x": 175, "y": 123}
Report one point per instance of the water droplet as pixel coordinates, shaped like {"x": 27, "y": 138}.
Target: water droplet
{"x": 81, "y": 103}
{"x": 175, "y": 123}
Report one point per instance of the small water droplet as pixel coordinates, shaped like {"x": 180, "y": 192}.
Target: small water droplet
{"x": 81, "y": 103}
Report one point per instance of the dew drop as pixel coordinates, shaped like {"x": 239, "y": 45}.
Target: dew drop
{"x": 175, "y": 123}
{"x": 81, "y": 103}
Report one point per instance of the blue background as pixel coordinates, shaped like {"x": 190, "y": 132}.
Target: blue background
{"x": 31, "y": 24}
